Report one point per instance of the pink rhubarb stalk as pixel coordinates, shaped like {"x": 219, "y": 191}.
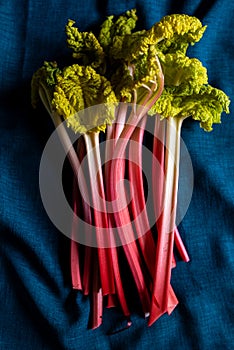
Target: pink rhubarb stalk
{"x": 76, "y": 166}
{"x": 158, "y": 174}
{"x": 138, "y": 205}
{"x": 117, "y": 194}
{"x": 97, "y": 296}
{"x": 166, "y": 222}
{"x": 75, "y": 258}
{"x": 100, "y": 215}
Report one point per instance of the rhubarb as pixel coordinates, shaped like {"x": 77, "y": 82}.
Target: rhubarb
{"x": 117, "y": 79}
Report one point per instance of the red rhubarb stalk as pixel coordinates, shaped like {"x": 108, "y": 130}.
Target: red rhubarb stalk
{"x": 157, "y": 186}
{"x": 158, "y": 174}
{"x": 100, "y": 215}
{"x": 180, "y": 246}
{"x": 87, "y": 217}
{"x": 76, "y": 166}
{"x": 113, "y": 132}
{"x": 75, "y": 258}
{"x": 122, "y": 217}
{"x": 166, "y": 221}
{"x": 97, "y": 296}
{"x": 138, "y": 205}
{"x": 117, "y": 174}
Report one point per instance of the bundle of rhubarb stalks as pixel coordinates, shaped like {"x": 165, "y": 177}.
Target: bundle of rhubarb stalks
{"x": 118, "y": 79}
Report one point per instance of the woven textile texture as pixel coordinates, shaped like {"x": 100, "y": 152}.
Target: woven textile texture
{"x": 38, "y": 309}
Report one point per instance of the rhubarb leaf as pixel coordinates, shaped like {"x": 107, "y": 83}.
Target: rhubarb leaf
{"x": 175, "y": 32}
{"x": 187, "y": 92}
{"x": 85, "y": 46}
{"x": 79, "y": 87}
{"x": 112, "y": 30}
{"x": 45, "y": 76}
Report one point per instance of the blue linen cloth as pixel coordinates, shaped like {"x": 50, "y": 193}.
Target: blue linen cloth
{"x": 38, "y": 309}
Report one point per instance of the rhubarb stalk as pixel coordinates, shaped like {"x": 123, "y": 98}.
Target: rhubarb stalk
{"x": 166, "y": 221}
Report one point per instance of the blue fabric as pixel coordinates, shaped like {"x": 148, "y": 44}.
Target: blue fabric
{"x": 38, "y": 310}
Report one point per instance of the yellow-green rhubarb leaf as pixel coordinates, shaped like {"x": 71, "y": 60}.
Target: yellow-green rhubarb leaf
{"x": 78, "y": 88}
{"x": 85, "y": 46}
{"x": 111, "y": 28}
{"x": 206, "y": 106}
{"x": 175, "y": 32}
{"x": 188, "y": 75}
{"x": 45, "y": 76}
{"x": 187, "y": 93}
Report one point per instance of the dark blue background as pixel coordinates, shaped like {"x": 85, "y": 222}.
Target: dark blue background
{"x": 37, "y": 308}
